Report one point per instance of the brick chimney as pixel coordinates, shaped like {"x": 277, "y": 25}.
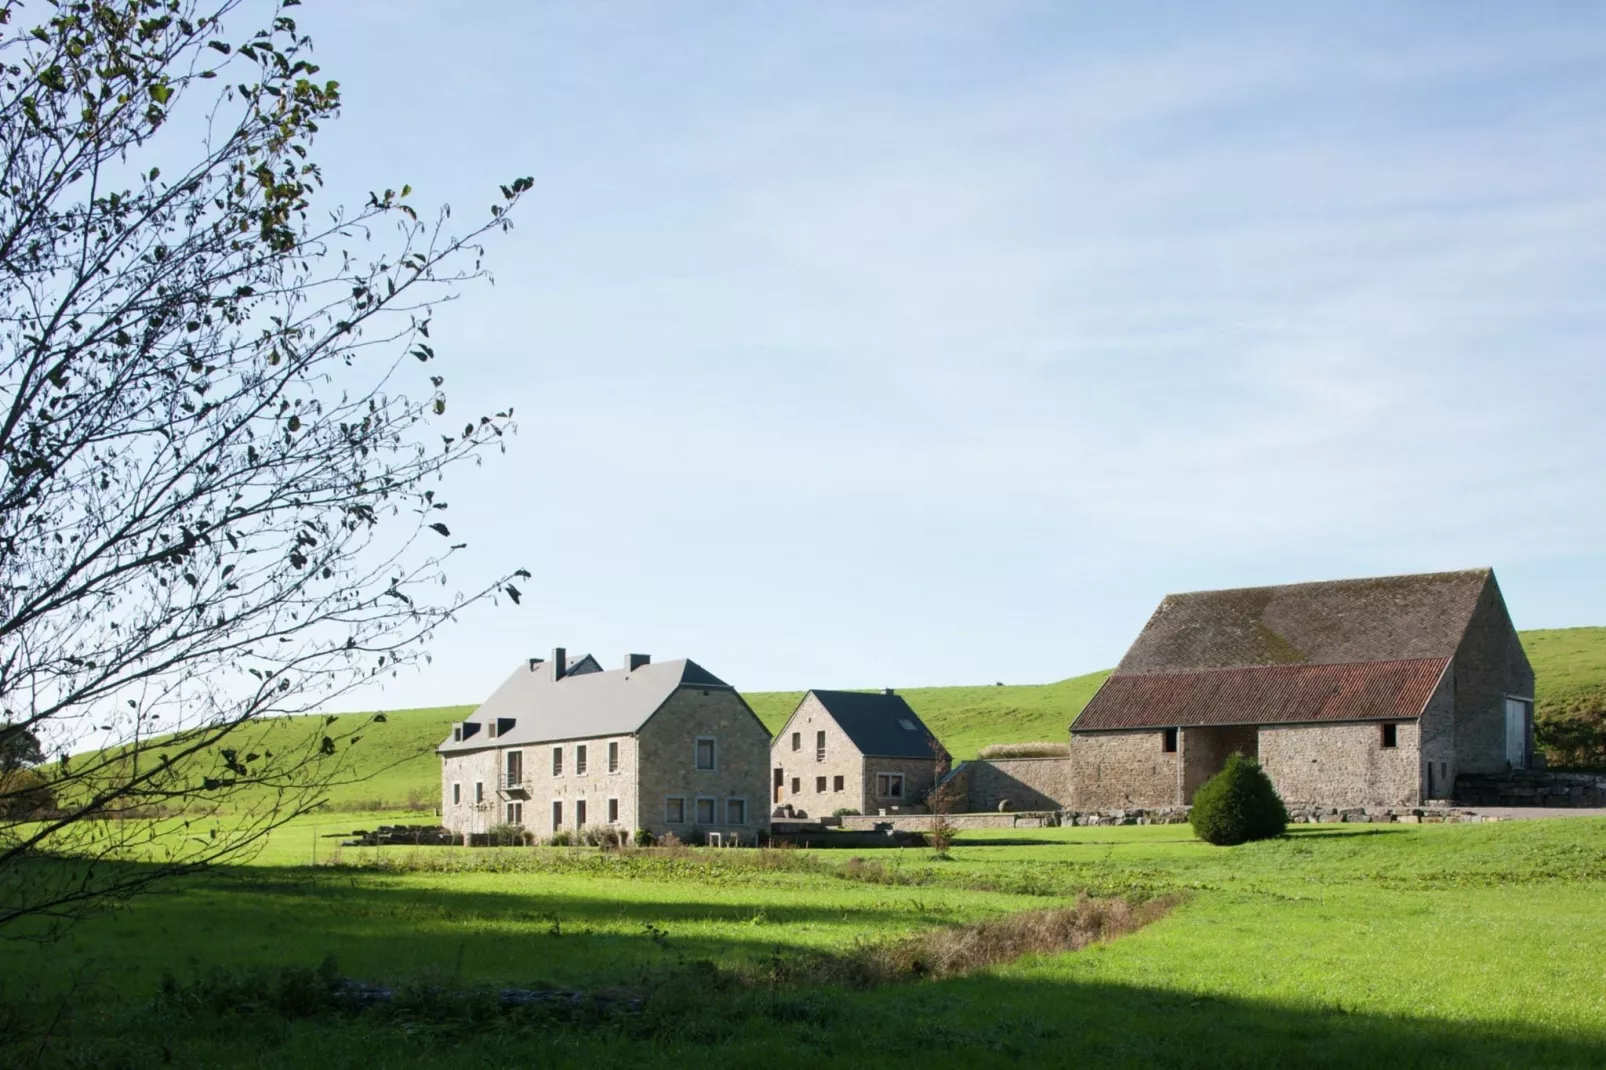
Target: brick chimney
{"x": 888, "y": 691}
{"x": 636, "y": 661}
{"x": 560, "y": 663}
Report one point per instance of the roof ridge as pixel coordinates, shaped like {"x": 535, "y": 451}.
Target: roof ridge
{"x": 1483, "y": 570}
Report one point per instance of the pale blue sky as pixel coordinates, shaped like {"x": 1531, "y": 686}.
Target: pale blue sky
{"x": 869, "y": 344}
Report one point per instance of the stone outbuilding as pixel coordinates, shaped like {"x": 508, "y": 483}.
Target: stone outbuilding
{"x": 1370, "y": 692}
{"x": 565, "y": 745}
{"x": 853, "y": 750}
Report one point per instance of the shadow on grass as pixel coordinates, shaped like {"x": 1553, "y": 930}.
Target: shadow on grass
{"x": 1025, "y": 1016}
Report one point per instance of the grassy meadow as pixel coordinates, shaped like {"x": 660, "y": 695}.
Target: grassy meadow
{"x": 1468, "y": 945}
{"x": 1341, "y": 946}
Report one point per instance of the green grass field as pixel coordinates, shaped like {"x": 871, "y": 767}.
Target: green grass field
{"x": 1448, "y": 946}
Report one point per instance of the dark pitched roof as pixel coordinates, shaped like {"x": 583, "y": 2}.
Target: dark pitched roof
{"x": 1388, "y": 618}
{"x": 880, "y": 724}
{"x": 1278, "y": 694}
{"x": 581, "y": 706}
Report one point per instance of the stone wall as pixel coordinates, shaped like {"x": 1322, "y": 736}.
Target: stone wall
{"x": 1342, "y": 764}
{"x": 1436, "y": 741}
{"x": 1116, "y": 769}
{"x": 919, "y": 774}
{"x": 1022, "y": 783}
{"x": 1532, "y": 788}
{"x": 668, "y": 765}
{"x": 571, "y": 787}
{"x": 1489, "y": 665}
{"x": 466, "y": 769}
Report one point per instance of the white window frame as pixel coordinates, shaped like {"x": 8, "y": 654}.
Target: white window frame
{"x": 736, "y": 799}
{"x": 613, "y": 810}
{"x": 713, "y": 754}
{"x": 580, "y": 755}
{"x": 557, "y": 761}
{"x": 839, "y": 783}
{"x": 669, "y": 818}
{"x": 613, "y": 756}
{"x": 797, "y": 741}
{"x": 514, "y": 813}
{"x": 457, "y": 793}
{"x": 507, "y": 755}
{"x": 821, "y": 784}
{"x": 886, "y": 780}
{"x": 713, "y": 811}
{"x": 556, "y": 811}
{"x": 581, "y": 812}
{"x": 479, "y": 792}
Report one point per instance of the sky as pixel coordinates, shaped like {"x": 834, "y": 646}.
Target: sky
{"x": 874, "y": 344}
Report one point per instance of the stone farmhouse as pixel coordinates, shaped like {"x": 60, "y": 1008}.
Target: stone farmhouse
{"x": 1370, "y": 692}
{"x": 852, "y": 750}
{"x": 565, "y": 745}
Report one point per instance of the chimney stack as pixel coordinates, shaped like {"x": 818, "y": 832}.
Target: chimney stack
{"x": 888, "y": 691}
{"x": 636, "y": 661}
{"x": 560, "y": 663}
{"x": 534, "y": 662}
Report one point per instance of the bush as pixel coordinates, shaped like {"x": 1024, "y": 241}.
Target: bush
{"x": 1026, "y": 750}
{"x": 1237, "y": 805}
{"x": 25, "y": 793}
{"x": 560, "y": 838}
{"x": 844, "y": 811}
{"x": 642, "y": 838}
{"x": 508, "y": 835}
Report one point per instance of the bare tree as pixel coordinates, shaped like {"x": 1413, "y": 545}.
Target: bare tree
{"x": 221, "y": 437}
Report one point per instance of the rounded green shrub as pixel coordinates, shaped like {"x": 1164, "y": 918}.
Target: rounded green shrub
{"x": 1237, "y": 805}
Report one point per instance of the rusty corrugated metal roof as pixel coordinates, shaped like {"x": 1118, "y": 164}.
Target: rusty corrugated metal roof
{"x": 1275, "y": 694}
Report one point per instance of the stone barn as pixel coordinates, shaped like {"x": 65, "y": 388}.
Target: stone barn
{"x": 1370, "y": 692}
{"x": 563, "y": 745}
{"x": 853, "y": 750}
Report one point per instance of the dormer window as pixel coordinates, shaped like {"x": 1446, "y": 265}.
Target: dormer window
{"x": 906, "y": 724}
{"x": 457, "y": 733}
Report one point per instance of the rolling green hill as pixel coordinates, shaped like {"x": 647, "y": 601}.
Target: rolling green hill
{"x": 401, "y": 768}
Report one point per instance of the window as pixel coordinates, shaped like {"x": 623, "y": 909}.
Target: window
{"x": 797, "y": 740}
{"x": 515, "y": 813}
{"x": 836, "y": 784}
{"x": 906, "y": 724}
{"x": 557, "y": 761}
{"x": 819, "y": 783}
{"x": 705, "y": 754}
{"x": 457, "y": 794}
{"x": 613, "y": 811}
{"x": 580, "y": 760}
{"x": 797, "y": 785}
{"x": 515, "y": 768}
{"x": 580, "y": 813}
{"x": 675, "y": 810}
{"x": 705, "y": 811}
{"x": 819, "y": 746}
{"x": 557, "y": 815}
{"x": 1391, "y": 736}
{"x": 457, "y": 734}
{"x": 479, "y": 791}
{"x": 889, "y": 785}
{"x": 1169, "y": 744}
{"x": 735, "y": 811}
{"x": 613, "y": 757}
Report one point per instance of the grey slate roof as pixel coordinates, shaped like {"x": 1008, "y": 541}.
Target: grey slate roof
{"x": 1339, "y": 622}
{"x": 871, "y": 721}
{"x": 582, "y": 706}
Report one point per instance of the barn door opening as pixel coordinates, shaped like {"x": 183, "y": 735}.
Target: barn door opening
{"x": 1517, "y": 732}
